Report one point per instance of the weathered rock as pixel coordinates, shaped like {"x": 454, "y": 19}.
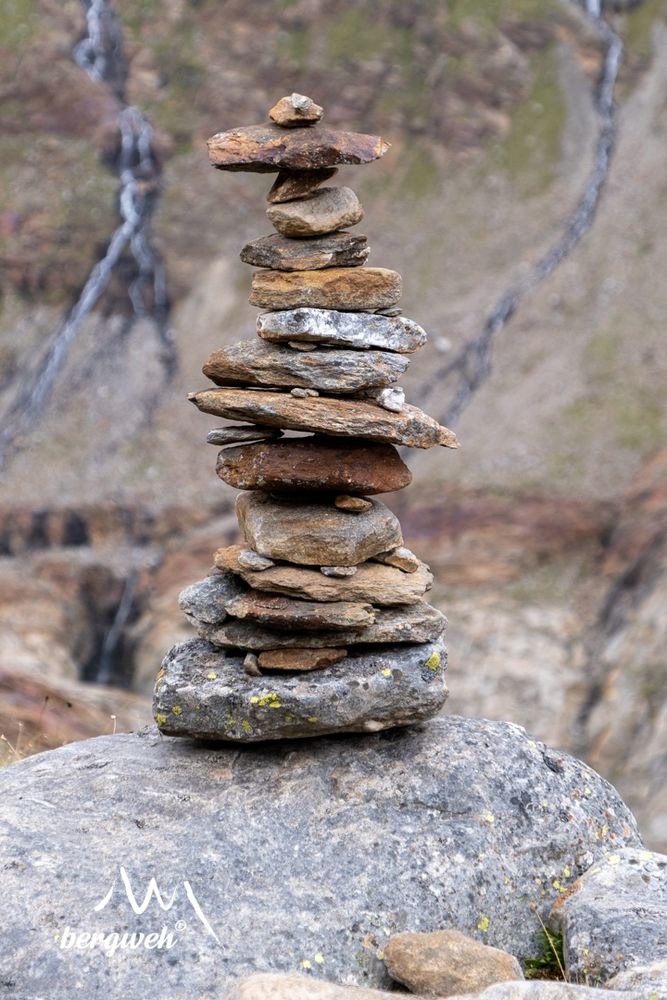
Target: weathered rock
{"x": 234, "y": 435}
{"x": 338, "y": 571}
{"x": 339, "y": 288}
{"x": 325, "y": 211}
{"x": 447, "y": 962}
{"x": 269, "y": 986}
{"x": 207, "y": 598}
{"x": 649, "y": 980}
{"x": 248, "y": 559}
{"x": 297, "y": 346}
{"x": 315, "y": 463}
{"x": 363, "y": 692}
{"x": 256, "y": 362}
{"x": 297, "y": 109}
{"x": 314, "y": 534}
{"x": 391, "y": 399}
{"x": 401, "y": 557}
{"x": 290, "y": 184}
{"x": 372, "y": 581}
{"x": 282, "y": 254}
{"x": 353, "y": 505}
{"x": 300, "y": 659}
{"x": 616, "y": 915}
{"x": 546, "y": 990}
{"x": 288, "y": 613}
{"x": 392, "y": 831}
{"x": 251, "y": 665}
{"x": 267, "y": 148}
{"x": 303, "y": 393}
{"x": 410, "y": 623}
{"x": 337, "y": 417}
{"x": 342, "y": 329}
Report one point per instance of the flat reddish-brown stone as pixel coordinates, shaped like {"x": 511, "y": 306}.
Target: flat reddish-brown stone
{"x": 337, "y": 417}
{"x": 345, "y": 288}
{"x": 314, "y": 463}
{"x": 281, "y": 253}
{"x": 300, "y": 659}
{"x": 267, "y": 148}
{"x": 291, "y": 184}
{"x": 290, "y": 613}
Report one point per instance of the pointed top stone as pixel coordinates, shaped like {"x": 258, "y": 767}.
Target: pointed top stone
{"x": 269, "y": 148}
{"x": 297, "y": 109}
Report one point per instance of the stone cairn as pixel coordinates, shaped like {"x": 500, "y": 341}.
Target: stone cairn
{"x": 317, "y": 623}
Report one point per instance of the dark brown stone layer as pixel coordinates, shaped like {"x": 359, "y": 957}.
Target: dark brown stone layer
{"x": 280, "y": 253}
{"x": 267, "y": 148}
{"x": 291, "y": 184}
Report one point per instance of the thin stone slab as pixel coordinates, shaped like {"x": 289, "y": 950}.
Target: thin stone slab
{"x": 315, "y": 534}
{"x": 297, "y": 109}
{"x": 300, "y": 659}
{"x": 416, "y": 623}
{"x": 342, "y": 329}
{"x": 372, "y": 582}
{"x": 365, "y": 692}
{"x": 325, "y": 211}
{"x": 290, "y": 184}
{"x": 256, "y": 362}
{"x": 238, "y": 435}
{"x": 288, "y": 613}
{"x": 314, "y": 464}
{"x": 282, "y": 254}
{"x": 337, "y": 417}
{"x": 339, "y": 288}
{"x": 267, "y": 148}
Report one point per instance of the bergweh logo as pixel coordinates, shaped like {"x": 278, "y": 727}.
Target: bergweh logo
{"x": 152, "y": 940}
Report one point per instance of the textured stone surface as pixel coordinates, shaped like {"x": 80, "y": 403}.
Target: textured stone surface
{"x": 314, "y": 534}
{"x": 207, "y": 598}
{"x": 447, "y": 962}
{"x": 249, "y": 559}
{"x": 363, "y": 692}
{"x": 401, "y": 558}
{"x": 325, "y": 211}
{"x": 291, "y": 184}
{"x": 343, "y": 329}
{"x": 256, "y": 362}
{"x": 353, "y": 505}
{"x": 413, "y": 623}
{"x": 339, "y": 288}
{"x": 311, "y": 463}
{"x": 282, "y": 254}
{"x": 546, "y": 990}
{"x": 286, "y": 612}
{"x": 650, "y": 980}
{"x": 300, "y": 659}
{"x": 347, "y": 840}
{"x": 616, "y": 916}
{"x": 235, "y": 435}
{"x": 372, "y": 581}
{"x": 297, "y": 109}
{"x": 337, "y": 417}
{"x": 266, "y": 148}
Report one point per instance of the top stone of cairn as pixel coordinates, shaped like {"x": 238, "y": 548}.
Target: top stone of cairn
{"x": 292, "y": 141}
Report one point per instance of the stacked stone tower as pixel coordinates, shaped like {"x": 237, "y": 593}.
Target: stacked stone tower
{"x": 317, "y": 623}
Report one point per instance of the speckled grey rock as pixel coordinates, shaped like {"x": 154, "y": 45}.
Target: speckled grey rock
{"x": 342, "y": 329}
{"x": 207, "y": 598}
{"x": 650, "y": 980}
{"x": 203, "y": 691}
{"x": 236, "y": 435}
{"x": 544, "y": 990}
{"x": 616, "y": 917}
{"x": 318, "y": 847}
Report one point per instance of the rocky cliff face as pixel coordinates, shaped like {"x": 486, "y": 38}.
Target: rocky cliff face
{"x": 554, "y": 533}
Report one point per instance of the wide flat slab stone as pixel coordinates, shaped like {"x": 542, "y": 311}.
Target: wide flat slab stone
{"x": 324, "y": 211}
{"x": 267, "y": 148}
{"x": 276, "y": 611}
{"x": 344, "y": 329}
{"x": 372, "y": 582}
{"x": 337, "y": 417}
{"x": 315, "y": 463}
{"x": 327, "y": 369}
{"x": 314, "y": 534}
{"x": 365, "y": 692}
{"x": 340, "y": 288}
{"x": 282, "y": 254}
{"x": 317, "y": 847}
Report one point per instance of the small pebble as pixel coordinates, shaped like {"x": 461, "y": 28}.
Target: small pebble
{"x": 250, "y": 559}
{"x": 391, "y": 399}
{"x": 303, "y": 393}
{"x": 354, "y": 505}
{"x": 251, "y": 665}
{"x": 338, "y": 570}
{"x": 299, "y": 345}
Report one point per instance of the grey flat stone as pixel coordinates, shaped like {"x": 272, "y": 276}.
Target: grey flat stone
{"x": 343, "y": 329}
{"x": 361, "y": 693}
{"x": 256, "y": 362}
{"x": 292, "y": 850}
{"x": 616, "y": 917}
{"x": 236, "y": 435}
{"x": 283, "y": 254}
{"x": 207, "y": 598}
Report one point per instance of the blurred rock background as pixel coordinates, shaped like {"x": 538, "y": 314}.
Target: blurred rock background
{"x": 547, "y": 531}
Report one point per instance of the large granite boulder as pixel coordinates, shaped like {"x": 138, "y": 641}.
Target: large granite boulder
{"x": 284, "y": 857}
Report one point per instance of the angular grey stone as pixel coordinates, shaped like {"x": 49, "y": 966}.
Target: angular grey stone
{"x": 650, "y": 980}
{"x": 362, "y": 693}
{"x": 325, "y": 211}
{"x": 236, "y": 435}
{"x": 391, "y": 399}
{"x": 207, "y": 598}
{"x": 256, "y": 362}
{"x": 249, "y": 559}
{"x": 283, "y": 254}
{"x": 291, "y": 850}
{"x": 342, "y": 329}
{"x": 339, "y": 572}
{"x": 414, "y": 623}
{"x": 616, "y": 917}
{"x": 545, "y": 989}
